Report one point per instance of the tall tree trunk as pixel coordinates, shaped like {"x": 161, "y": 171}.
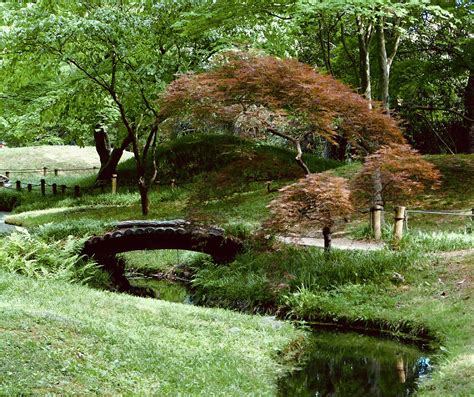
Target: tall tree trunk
{"x": 384, "y": 67}
{"x": 110, "y": 168}
{"x": 364, "y": 37}
{"x": 469, "y": 110}
{"x": 386, "y": 60}
{"x": 102, "y": 144}
{"x": 366, "y": 86}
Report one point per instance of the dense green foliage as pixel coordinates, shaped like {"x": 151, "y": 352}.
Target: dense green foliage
{"x": 63, "y": 62}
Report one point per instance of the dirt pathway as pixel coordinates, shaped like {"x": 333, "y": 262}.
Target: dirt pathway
{"x": 457, "y": 254}
{"x": 339, "y": 243}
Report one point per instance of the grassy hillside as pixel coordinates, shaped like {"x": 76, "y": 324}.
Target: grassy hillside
{"x": 227, "y": 159}
{"x": 37, "y": 157}
{"x": 58, "y": 338}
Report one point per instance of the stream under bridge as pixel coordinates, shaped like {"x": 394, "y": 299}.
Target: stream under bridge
{"x": 137, "y": 235}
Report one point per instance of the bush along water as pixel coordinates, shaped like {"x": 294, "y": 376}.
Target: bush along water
{"x": 35, "y": 257}
{"x": 262, "y": 281}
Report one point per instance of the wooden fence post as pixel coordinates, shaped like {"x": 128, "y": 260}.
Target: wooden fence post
{"x": 77, "y": 191}
{"x": 18, "y": 185}
{"x": 56, "y": 171}
{"x": 45, "y": 170}
{"x": 43, "y": 187}
{"x": 29, "y": 187}
{"x": 63, "y": 189}
{"x": 398, "y": 226}
{"x": 269, "y": 186}
{"x": 114, "y": 183}
{"x": 55, "y": 188}
{"x": 376, "y": 219}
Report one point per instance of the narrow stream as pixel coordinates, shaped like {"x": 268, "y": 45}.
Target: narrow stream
{"x": 350, "y": 364}
{"x": 4, "y": 228}
{"x": 338, "y": 364}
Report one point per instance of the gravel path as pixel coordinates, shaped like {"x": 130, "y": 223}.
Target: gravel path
{"x": 456, "y": 254}
{"x": 339, "y": 243}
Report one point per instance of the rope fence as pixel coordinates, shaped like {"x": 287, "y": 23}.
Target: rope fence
{"x": 401, "y": 218}
{"x": 78, "y": 190}
{"x": 376, "y": 212}
{"x": 44, "y": 170}
{"x": 441, "y": 212}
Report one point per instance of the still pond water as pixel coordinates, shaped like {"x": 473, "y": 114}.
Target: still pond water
{"x": 340, "y": 364}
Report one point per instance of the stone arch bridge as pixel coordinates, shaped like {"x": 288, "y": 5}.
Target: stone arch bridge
{"x": 155, "y": 235}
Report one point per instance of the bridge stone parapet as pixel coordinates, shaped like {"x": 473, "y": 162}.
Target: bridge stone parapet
{"x": 155, "y": 235}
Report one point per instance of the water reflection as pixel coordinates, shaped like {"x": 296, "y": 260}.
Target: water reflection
{"x": 342, "y": 364}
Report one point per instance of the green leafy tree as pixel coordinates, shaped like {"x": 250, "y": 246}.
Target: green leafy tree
{"x": 124, "y": 53}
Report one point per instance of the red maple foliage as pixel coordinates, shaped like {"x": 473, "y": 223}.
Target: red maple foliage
{"x": 316, "y": 200}
{"x": 402, "y": 174}
{"x": 264, "y": 94}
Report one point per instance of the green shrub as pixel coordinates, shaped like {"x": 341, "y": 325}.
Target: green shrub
{"x": 240, "y": 159}
{"x": 8, "y": 199}
{"x": 60, "y": 260}
{"x": 260, "y": 278}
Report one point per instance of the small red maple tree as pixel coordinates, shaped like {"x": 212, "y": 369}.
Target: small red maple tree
{"x": 317, "y": 199}
{"x": 402, "y": 173}
{"x": 266, "y": 95}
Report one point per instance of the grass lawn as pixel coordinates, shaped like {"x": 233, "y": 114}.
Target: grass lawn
{"x": 37, "y": 157}
{"x": 65, "y": 339}
{"x": 419, "y": 290}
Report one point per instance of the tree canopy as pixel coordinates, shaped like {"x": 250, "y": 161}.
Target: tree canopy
{"x": 263, "y": 94}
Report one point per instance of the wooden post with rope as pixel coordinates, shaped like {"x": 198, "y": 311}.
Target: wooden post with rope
{"x": 398, "y": 224}
{"x": 114, "y": 184}
{"x": 376, "y": 221}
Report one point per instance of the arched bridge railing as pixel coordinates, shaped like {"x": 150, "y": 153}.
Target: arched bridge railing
{"x": 155, "y": 235}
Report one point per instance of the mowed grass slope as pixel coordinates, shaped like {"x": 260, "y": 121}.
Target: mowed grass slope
{"x": 58, "y": 338}
{"x": 37, "y": 157}
{"x": 12, "y": 159}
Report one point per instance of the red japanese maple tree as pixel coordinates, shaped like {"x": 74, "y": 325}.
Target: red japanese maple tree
{"x": 267, "y": 95}
{"x": 402, "y": 173}
{"x": 317, "y": 199}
